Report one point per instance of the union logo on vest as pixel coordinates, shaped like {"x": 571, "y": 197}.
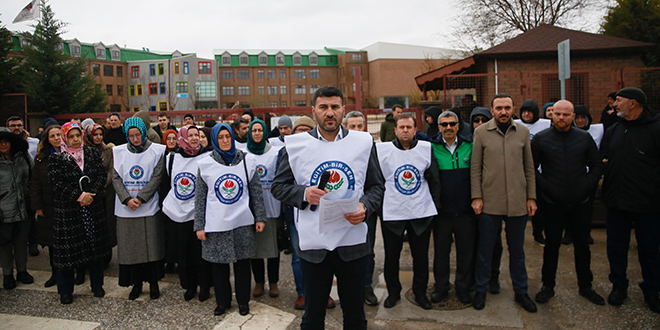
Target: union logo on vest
{"x": 407, "y": 179}
{"x": 262, "y": 170}
{"x": 184, "y": 186}
{"x": 136, "y": 172}
{"x": 228, "y": 188}
{"x": 342, "y": 179}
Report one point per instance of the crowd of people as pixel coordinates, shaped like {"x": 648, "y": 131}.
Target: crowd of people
{"x": 197, "y": 199}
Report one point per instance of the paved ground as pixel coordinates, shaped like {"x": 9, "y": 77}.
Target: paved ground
{"x": 35, "y": 307}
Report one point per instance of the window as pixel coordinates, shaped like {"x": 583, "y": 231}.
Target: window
{"x": 283, "y": 104}
{"x": 355, "y": 68}
{"x": 162, "y": 106}
{"x": 263, "y": 60}
{"x": 283, "y": 89}
{"x": 120, "y": 71}
{"x": 75, "y": 50}
{"x": 279, "y": 60}
{"x": 228, "y": 90}
{"x": 299, "y": 73}
{"x": 315, "y": 73}
{"x": 262, "y": 90}
{"x": 135, "y": 72}
{"x": 177, "y": 68}
{"x": 108, "y": 70}
{"x": 300, "y": 89}
{"x": 181, "y": 86}
{"x": 131, "y": 90}
{"x": 262, "y": 104}
{"x": 227, "y": 74}
{"x": 115, "y": 54}
{"x": 204, "y": 67}
{"x": 100, "y": 53}
{"x": 153, "y": 89}
{"x": 272, "y": 90}
{"x": 272, "y": 74}
{"x": 260, "y": 74}
{"x": 115, "y": 107}
{"x": 96, "y": 69}
{"x": 282, "y": 73}
{"x": 152, "y": 70}
{"x": 272, "y": 104}
{"x": 243, "y": 60}
{"x": 136, "y": 109}
{"x": 120, "y": 90}
{"x": 297, "y": 60}
{"x": 163, "y": 88}
{"x": 186, "y": 68}
{"x": 161, "y": 69}
{"x": 138, "y": 89}
{"x": 357, "y": 57}
{"x": 243, "y": 74}
{"x": 152, "y": 108}
{"x": 313, "y": 59}
{"x": 226, "y": 60}
{"x": 243, "y": 90}
{"x": 313, "y": 88}
{"x": 301, "y": 103}
{"x": 108, "y": 89}
{"x": 205, "y": 88}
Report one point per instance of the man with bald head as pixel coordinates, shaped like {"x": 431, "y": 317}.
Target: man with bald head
{"x": 570, "y": 169}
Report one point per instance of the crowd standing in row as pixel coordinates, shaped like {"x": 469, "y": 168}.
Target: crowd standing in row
{"x": 207, "y": 197}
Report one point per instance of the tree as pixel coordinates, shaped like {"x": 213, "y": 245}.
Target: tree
{"x": 8, "y": 65}
{"x": 486, "y": 23}
{"x": 637, "y": 20}
{"x": 54, "y": 82}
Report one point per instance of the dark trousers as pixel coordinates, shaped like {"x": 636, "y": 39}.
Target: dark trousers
{"x": 371, "y": 221}
{"x": 463, "y": 230}
{"x": 576, "y": 220}
{"x": 647, "y": 233}
{"x": 498, "y": 248}
{"x": 419, "y": 250}
{"x": 242, "y": 282}
{"x": 317, "y": 283}
{"x": 65, "y": 278}
{"x": 258, "y": 270}
{"x": 17, "y": 250}
{"x": 489, "y": 225}
{"x": 193, "y": 270}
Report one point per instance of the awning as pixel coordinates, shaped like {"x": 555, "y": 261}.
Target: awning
{"x": 433, "y": 78}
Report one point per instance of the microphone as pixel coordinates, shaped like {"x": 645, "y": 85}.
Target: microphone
{"x": 325, "y": 177}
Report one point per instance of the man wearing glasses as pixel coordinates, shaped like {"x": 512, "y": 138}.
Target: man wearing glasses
{"x": 16, "y": 126}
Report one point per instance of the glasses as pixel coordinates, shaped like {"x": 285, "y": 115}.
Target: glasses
{"x": 451, "y": 123}
{"x": 302, "y": 130}
{"x": 479, "y": 120}
{"x": 15, "y": 125}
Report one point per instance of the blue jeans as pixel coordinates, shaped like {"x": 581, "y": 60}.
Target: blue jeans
{"x": 515, "y": 239}
{"x": 295, "y": 259}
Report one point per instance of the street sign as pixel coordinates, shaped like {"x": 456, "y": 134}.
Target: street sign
{"x": 564, "y": 60}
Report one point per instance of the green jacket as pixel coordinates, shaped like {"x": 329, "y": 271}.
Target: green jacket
{"x": 454, "y": 176}
{"x": 387, "y": 129}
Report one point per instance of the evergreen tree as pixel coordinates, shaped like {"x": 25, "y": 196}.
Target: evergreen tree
{"x": 8, "y": 65}
{"x": 637, "y": 20}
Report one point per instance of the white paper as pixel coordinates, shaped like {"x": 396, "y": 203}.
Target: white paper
{"x": 331, "y": 212}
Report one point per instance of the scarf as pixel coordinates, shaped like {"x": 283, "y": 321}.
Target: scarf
{"x": 164, "y": 139}
{"x": 76, "y": 153}
{"x": 252, "y": 146}
{"x": 227, "y": 156}
{"x": 182, "y": 140}
{"x": 135, "y": 122}
{"x": 88, "y": 137}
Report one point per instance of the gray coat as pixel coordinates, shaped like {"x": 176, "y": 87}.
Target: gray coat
{"x": 236, "y": 244}
{"x": 14, "y": 188}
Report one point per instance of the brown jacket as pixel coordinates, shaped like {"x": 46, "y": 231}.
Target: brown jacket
{"x": 502, "y": 170}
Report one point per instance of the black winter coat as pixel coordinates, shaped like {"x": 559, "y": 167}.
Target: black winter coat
{"x": 75, "y": 243}
{"x": 41, "y": 198}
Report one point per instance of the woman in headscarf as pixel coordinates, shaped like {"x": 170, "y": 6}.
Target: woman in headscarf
{"x": 78, "y": 179}
{"x": 228, "y": 208}
{"x": 204, "y": 134}
{"x": 265, "y": 243}
{"x": 169, "y": 140}
{"x": 41, "y": 192}
{"x": 179, "y": 206}
{"x": 15, "y": 166}
{"x": 138, "y": 169}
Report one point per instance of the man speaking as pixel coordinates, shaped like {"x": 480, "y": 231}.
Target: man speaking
{"x": 354, "y": 170}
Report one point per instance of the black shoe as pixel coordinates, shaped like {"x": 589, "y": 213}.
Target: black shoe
{"x": 288, "y": 250}
{"x": 169, "y": 268}
{"x": 51, "y": 281}
{"x": 592, "y": 296}
{"x": 154, "y": 292}
{"x": 98, "y": 292}
{"x": 526, "y": 302}
{"x": 653, "y": 302}
{"x": 544, "y": 295}
{"x": 24, "y": 277}
{"x": 369, "y": 296}
{"x": 190, "y": 293}
{"x": 479, "y": 300}
{"x": 617, "y": 296}
{"x": 244, "y": 309}
{"x": 539, "y": 239}
{"x": 33, "y": 250}
{"x": 590, "y": 240}
{"x": 8, "y": 282}
{"x": 463, "y": 296}
{"x": 567, "y": 240}
{"x": 439, "y": 295}
{"x": 423, "y": 302}
{"x": 391, "y": 301}
{"x": 219, "y": 310}
{"x": 135, "y": 292}
{"x": 66, "y": 299}
{"x": 204, "y": 293}
{"x": 494, "y": 286}
{"x": 80, "y": 277}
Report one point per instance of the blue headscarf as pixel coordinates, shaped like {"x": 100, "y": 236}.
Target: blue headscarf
{"x": 252, "y": 146}
{"x": 545, "y": 106}
{"x": 227, "y": 156}
{"x": 135, "y": 122}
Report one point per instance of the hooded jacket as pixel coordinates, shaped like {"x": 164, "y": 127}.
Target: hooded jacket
{"x": 480, "y": 111}
{"x": 531, "y": 106}
{"x": 15, "y": 183}
{"x": 581, "y": 110}
{"x": 434, "y": 112}
{"x": 387, "y": 128}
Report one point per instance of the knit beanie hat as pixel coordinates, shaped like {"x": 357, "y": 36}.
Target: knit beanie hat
{"x": 285, "y": 121}
{"x": 633, "y": 93}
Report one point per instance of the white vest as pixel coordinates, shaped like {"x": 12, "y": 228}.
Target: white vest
{"x": 407, "y": 195}
{"x": 265, "y": 166}
{"x": 179, "y": 204}
{"x": 597, "y": 131}
{"x": 276, "y": 142}
{"x": 240, "y": 145}
{"x": 347, "y": 160}
{"x": 135, "y": 171}
{"x": 538, "y": 126}
{"x": 227, "y": 199}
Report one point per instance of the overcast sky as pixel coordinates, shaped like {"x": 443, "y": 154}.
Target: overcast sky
{"x": 203, "y": 25}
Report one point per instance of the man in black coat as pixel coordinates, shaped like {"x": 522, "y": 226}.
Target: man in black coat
{"x": 570, "y": 169}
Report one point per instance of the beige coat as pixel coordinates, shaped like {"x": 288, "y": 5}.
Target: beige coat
{"x": 502, "y": 170}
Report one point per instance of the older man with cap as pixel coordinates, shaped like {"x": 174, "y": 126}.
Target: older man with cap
{"x": 303, "y": 124}
{"x": 285, "y": 126}
{"x": 631, "y": 191}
